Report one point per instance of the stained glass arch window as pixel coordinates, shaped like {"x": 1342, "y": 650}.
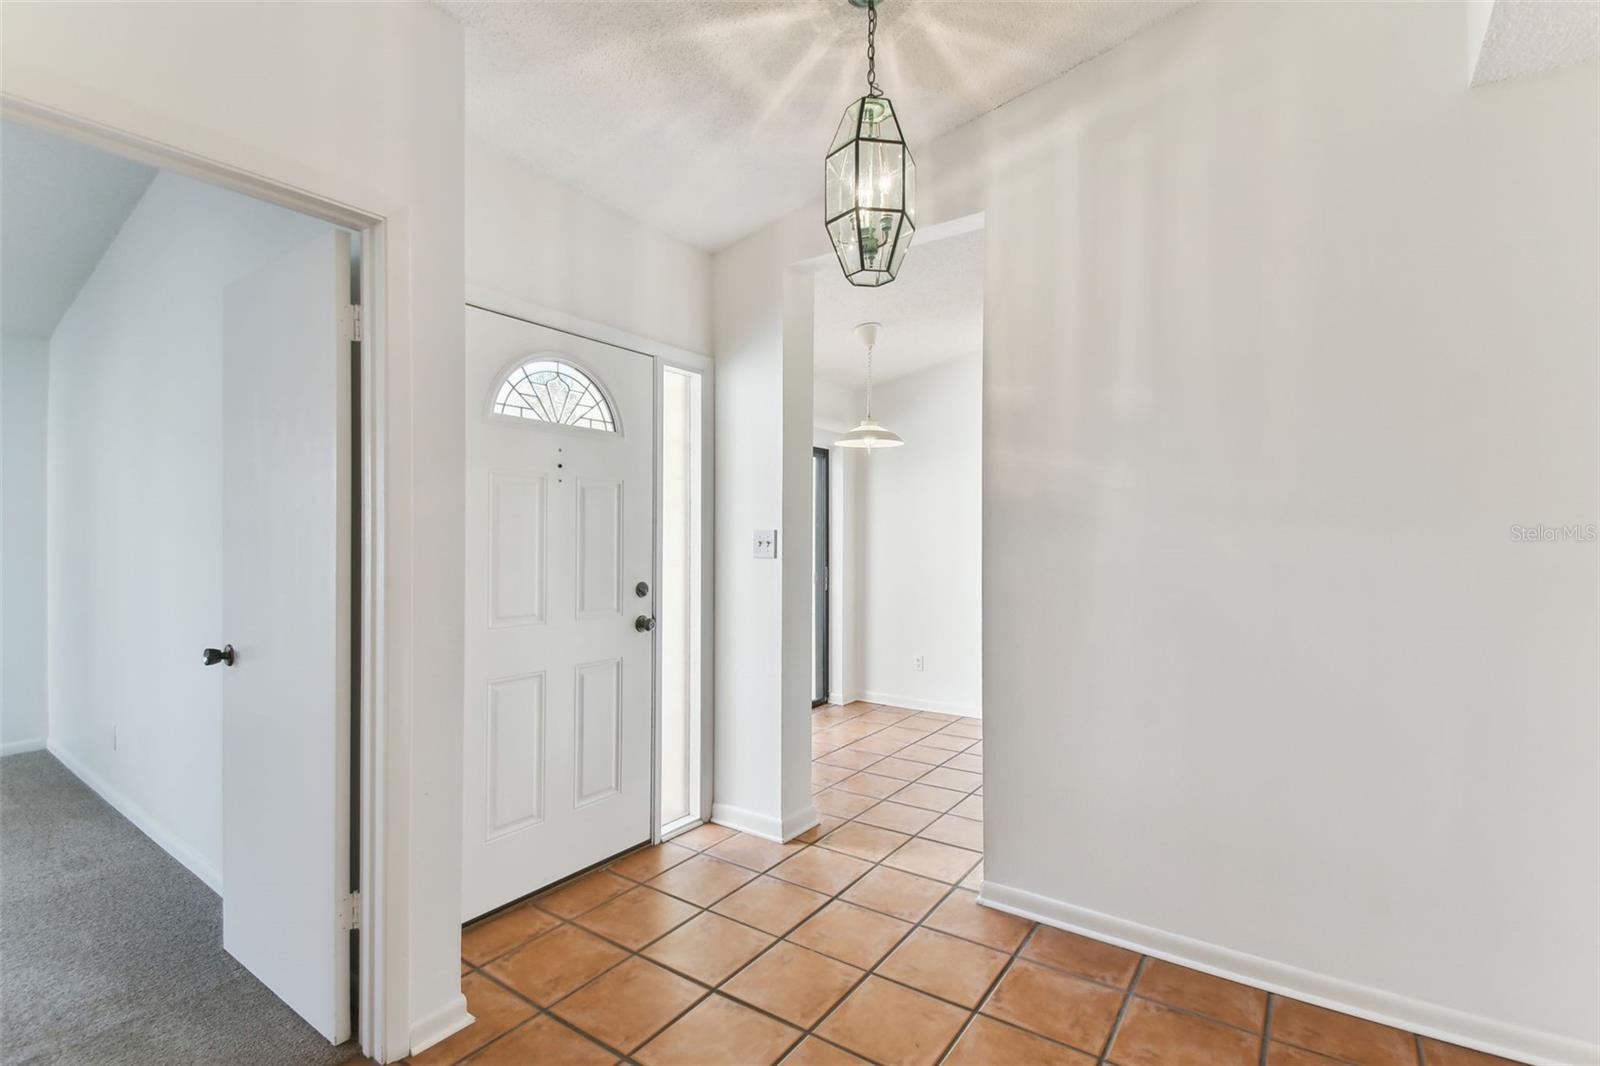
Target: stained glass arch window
{"x": 546, "y": 389}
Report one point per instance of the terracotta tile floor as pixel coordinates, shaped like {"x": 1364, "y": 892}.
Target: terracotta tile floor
{"x": 862, "y": 942}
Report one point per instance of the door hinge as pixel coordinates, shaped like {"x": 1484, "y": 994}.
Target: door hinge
{"x": 351, "y": 321}
{"x": 350, "y": 911}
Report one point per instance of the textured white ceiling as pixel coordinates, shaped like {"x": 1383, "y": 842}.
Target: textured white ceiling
{"x": 929, "y": 315}
{"x": 709, "y": 118}
{"x": 1531, "y": 36}
{"x": 61, "y": 203}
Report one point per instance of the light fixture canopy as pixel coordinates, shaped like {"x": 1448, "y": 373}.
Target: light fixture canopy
{"x": 869, "y": 200}
{"x": 869, "y": 434}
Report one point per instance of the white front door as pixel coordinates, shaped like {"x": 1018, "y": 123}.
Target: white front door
{"x": 286, "y": 615}
{"x": 559, "y": 527}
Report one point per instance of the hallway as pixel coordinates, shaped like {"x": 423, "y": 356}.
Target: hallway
{"x": 860, "y": 942}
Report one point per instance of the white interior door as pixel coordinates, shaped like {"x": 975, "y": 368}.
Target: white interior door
{"x": 559, "y": 528}
{"x": 286, "y": 612}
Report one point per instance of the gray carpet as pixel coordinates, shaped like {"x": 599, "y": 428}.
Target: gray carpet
{"x": 111, "y": 951}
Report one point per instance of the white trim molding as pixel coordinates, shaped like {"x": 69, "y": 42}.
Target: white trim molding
{"x": 491, "y": 298}
{"x": 916, "y": 703}
{"x": 19, "y": 747}
{"x": 747, "y": 821}
{"x": 1375, "y": 1004}
{"x": 141, "y": 818}
{"x": 797, "y": 822}
{"x": 442, "y": 1023}
{"x": 765, "y": 826}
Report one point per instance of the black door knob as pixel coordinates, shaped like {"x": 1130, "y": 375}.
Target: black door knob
{"x": 644, "y": 623}
{"x": 213, "y": 656}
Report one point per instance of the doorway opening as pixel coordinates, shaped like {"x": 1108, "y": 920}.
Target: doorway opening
{"x": 182, "y": 383}
{"x": 901, "y": 546}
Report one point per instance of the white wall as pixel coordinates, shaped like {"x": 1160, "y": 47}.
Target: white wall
{"x": 1284, "y": 329}
{"x": 835, "y": 407}
{"x": 919, "y": 588}
{"x": 135, "y": 506}
{"x": 545, "y": 243}
{"x": 763, "y": 321}
{"x": 24, "y": 386}
{"x": 357, "y": 104}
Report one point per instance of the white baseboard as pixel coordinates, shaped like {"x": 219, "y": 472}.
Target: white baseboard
{"x": 18, "y": 747}
{"x": 747, "y": 821}
{"x": 437, "y": 1025}
{"x": 797, "y": 822}
{"x": 764, "y": 826}
{"x": 141, "y": 818}
{"x": 917, "y": 703}
{"x": 1389, "y": 1008}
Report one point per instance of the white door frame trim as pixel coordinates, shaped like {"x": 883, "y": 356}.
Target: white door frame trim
{"x": 383, "y": 934}
{"x": 704, "y": 366}
{"x": 499, "y": 301}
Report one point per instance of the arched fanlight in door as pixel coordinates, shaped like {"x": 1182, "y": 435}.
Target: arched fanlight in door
{"x": 871, "y": 184}
{"x": 546, "y": 389}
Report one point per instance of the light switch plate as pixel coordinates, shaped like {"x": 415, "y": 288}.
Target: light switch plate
{"x": 766, "y": 544}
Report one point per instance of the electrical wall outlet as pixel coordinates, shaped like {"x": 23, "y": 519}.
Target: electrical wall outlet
{"x": 918, "y": 663}
{"x": 766, "y": 544}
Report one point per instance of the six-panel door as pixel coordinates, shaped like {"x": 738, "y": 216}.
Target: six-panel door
{"x": 559, "y": 525}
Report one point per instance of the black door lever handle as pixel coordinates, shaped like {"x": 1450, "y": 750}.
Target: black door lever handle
{"x": 213, "y": 656}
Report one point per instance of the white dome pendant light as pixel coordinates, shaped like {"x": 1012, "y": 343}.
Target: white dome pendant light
{"x": 871, "y": 187}
{"x": 868, "y": 434}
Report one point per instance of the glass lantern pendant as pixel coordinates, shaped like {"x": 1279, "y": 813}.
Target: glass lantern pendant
{"x": 870, "y": 198}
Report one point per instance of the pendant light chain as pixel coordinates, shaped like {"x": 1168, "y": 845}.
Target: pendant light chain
{"x": 872, "y": 48}
{"x": 869, "y": 383}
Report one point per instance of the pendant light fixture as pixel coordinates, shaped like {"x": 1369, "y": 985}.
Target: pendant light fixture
{"x": 868, "y": 434}
{"x": 870, "y": 198}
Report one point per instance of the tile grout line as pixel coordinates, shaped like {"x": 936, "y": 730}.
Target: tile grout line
{"x": 988, "y": 994}
{"x": 1122, "y": 1011}
{"x": 873, "y": 970}
{"x": 1266, "y": 1028}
